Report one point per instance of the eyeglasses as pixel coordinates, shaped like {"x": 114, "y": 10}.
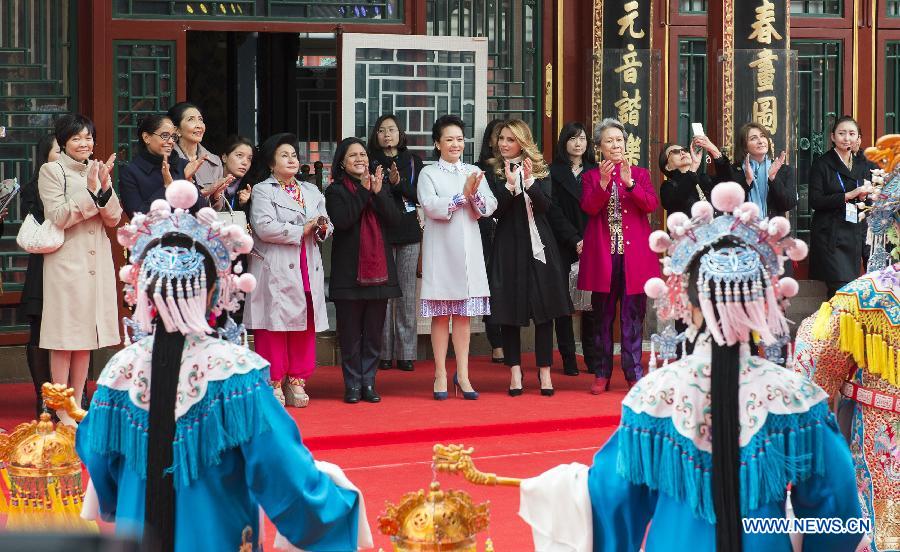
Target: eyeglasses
{"x": 675, "y": 151}
{"x": 166, "y": 137}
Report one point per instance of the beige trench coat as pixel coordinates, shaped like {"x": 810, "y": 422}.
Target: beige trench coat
{"x": 279, "y": 303}
{"x": 80, "y": 298}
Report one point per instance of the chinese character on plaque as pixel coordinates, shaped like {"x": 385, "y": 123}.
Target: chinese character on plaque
{"x": 763, "y": 30}
{"x": 626, "y": 22}
{"x": 629, "y": 108}
{"x": 630, "y": 65}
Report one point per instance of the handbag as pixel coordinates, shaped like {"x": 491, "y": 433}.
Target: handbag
{"x": 42, "y": 238}
{"x": 581, "y": 300}
{"x": 231, "y": 216}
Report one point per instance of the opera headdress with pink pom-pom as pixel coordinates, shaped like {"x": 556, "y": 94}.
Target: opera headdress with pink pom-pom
{"x": 170, "y": 281}
{"x": 740, "y": 288}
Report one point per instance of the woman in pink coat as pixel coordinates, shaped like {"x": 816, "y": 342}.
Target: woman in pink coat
{"x": 616, "y": 260}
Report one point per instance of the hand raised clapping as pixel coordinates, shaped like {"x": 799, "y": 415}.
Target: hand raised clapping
{"x": 606, "y": 170}
{"x": 780, "y": 161}
{"x": 471, "y": 185}
{"x": 191, "y": 169}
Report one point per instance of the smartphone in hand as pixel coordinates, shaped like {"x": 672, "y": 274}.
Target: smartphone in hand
{"x": 697, "y": 129}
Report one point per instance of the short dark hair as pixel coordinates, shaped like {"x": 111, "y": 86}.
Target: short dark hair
{"x": 373, "y": 138}
{"x": 234, "y": 141}
{"x": 571, "y": 130}
{"x": 69, "y": 125}
{"x": 265, "y": 157}
{"x": 176, "y": 112}
{"x": 444, "y": 121}
{"x": 337, "y": 170}
{"x": 150, "y": 123}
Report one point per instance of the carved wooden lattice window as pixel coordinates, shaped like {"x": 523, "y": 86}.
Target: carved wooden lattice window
{"x": 691, "y": 86}
{"x": 35, "y": 88}
{"x": 369, "y": 10}
{"x": 892, "y": 87}
{"x": 513, "y": 28}
{"x": 418, "y": 79}
{"x": 816, "y": 7}
{"x": 819, "y": 71}
{"x": 144, "y": 81}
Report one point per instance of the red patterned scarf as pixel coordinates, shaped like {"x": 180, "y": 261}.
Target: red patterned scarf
{"x": 372, "y": 264}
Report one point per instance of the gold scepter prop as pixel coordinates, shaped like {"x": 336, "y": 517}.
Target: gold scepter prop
{"x": 59, "y": 397}
{"x": 457, "y": 459}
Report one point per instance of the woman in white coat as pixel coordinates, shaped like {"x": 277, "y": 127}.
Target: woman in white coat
{"x": 454, "y": 195}
{"x": 80, "y": 309}
{"x": 287, "y": 307}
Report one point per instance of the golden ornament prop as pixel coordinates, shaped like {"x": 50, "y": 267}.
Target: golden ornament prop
{"x": 41, "y": 473}
{"x": 59, "y": 397}
{"x": 436, "y": 520}
{"x": 885, "y": 153}
{"x": 458, "y": 459}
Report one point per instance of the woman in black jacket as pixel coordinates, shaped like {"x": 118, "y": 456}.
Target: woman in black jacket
{"x": 154, "y": 167}
{"x": 572, "y": 157}
{"x": 767, "y": 180}
{"x": 487, "y": 226}
{"x": 363, "y": 274}
{"x": 837, "y": 181}
{"x": 33, "y": 290}
{"x": 684, "y": 185}
{"x": 400, "y": 170}
{"x": 524, "y": 272}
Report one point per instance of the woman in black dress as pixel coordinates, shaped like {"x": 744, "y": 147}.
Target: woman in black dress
{"x": 33, "y": 291}
{"x": 524, "y": 272}
{"x": 572, "y": 157}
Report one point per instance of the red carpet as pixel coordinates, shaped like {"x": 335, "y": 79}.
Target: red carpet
{"x": 385, "y": 448}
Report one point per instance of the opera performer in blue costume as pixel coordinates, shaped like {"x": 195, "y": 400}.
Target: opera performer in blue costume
{"x": 184, "y": 441}
{"x": 719, "y": 435}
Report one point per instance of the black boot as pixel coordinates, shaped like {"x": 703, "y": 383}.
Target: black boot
{"x": 39, "y": 365}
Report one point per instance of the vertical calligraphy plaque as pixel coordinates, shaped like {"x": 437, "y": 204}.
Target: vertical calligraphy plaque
{"x": 758, "y": 71}
{"x": 625, "y": 68}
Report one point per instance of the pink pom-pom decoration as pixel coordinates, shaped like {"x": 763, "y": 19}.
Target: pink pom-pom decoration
{"x": 246, "y": 282}
{"x": 207, "y": 216}
{"x": 798, "y": 251}
{"x": 181, "y": 194}
{"x": 125, "y": 235}
{"x": 659, "y": 241}
{"x": 160, "y": 206}
{"x": 779, "y": 227}
{"x": 244, "y": 244}
{"x": 655, "y": 288}
{"x": 747, "y": 212}
{"x": 727, "y": 196}
{"x": 702, "y": 210}
{"x": 676, "y": 221}
{"x": 126, "y": 272}
{"x": 788, "y": 287}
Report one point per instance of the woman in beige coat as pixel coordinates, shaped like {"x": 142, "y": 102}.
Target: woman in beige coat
{"x": 80, "y": 304}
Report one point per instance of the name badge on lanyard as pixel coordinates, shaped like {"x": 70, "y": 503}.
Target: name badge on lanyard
{"x": 851, "y": 213}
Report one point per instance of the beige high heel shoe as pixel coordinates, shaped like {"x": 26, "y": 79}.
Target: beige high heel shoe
{"x": 295, "y": 393}
{"x": 276, "y": 390}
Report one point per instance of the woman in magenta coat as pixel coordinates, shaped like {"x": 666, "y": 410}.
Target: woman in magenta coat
{"x": 616, "y": 260}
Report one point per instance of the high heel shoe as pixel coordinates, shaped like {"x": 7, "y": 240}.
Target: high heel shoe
{"x": 440, "y": 395}
{"x": 545, "y": 391}
{"x": 516, "y": 391}
{"x": 467, "y": 395}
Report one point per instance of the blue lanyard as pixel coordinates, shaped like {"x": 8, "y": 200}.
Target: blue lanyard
{"x": 841, "y": 180}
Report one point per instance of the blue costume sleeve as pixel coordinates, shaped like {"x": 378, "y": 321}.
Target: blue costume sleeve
{"x": 104, "y": 470}
{"x": 620, "y": 510}
{"x": 832, "y": 494}
{"x": 304, "y": 504}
